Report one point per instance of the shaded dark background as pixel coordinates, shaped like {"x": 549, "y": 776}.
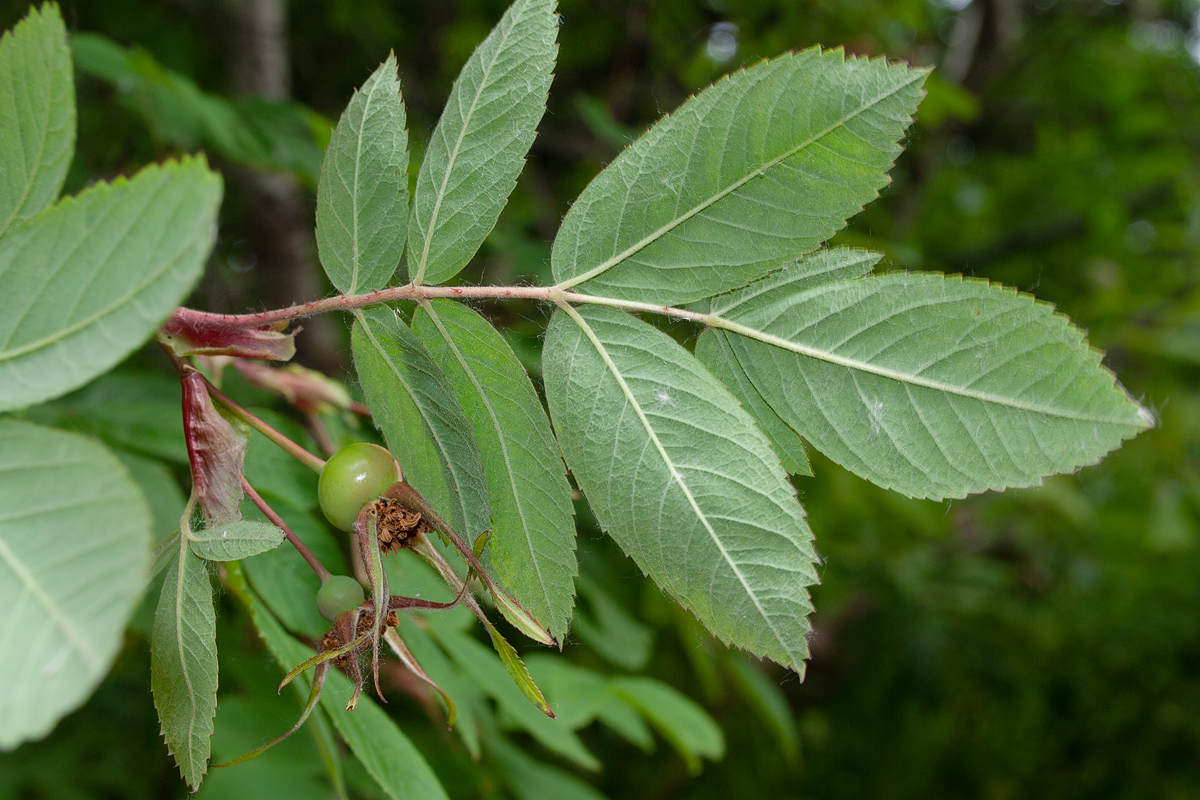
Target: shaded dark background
{"x": 1031, "y": 644}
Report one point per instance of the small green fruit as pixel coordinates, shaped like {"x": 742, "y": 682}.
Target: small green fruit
{"x": 339, "y": 593}
{"x": 353, "y": 477}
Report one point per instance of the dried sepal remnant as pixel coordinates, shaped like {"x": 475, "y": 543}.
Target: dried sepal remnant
{"x": 398, "y": 526}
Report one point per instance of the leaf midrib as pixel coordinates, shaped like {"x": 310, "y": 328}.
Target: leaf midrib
{"x": 34, "y": 587}
{"x": 859, "y": 365}
{"x": 510, "y": 472}
{"x": 914, "y": 77}
{"x": 675, "y": 475}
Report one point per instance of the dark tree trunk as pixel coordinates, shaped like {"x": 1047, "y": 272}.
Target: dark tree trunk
{"x": 278, "y": 219}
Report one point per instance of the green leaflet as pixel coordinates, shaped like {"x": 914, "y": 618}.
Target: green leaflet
{"x": 680, "y": 476}
{"x": 37, "y": 114}
{"x": 86, "y": 282}
{"x": 758, "y": 169}
{"x": 74, "y": 550}
{"x": 479, "y": 146}
{"x": 415, "y": 408}
{"x": 683, "y": 723}
{"x": 485, "y": 667}
{"x": 374, "y": 738}
{"x": 713, "y": 351}
{"x": 362, "y": 197}
{"x": 236, "y": 540}
{"x": 816, "y": 269}
{"x": 532, "y": 545}
{"x": 183, "y": 664}
{"x": 934, "y": 386}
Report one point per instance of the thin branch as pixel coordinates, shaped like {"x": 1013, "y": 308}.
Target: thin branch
{"x": 296, "y": 451}
{"x": 350, "y": 302}
{"x": 300, "y": 546}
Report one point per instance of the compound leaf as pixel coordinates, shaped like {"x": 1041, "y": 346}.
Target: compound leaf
{"x": 479, "y": 145}
{"x": 532, "y": 544}
{"x": 680, "y": 476}
{"x": 362, "y": 196}
{"x": 415, "y": 408}
{"x": 74, "y": 549}
{"x": 758, "y": 169}
{"x": 933, "y": 386}
{"x": 84, "y": 283}
{"x": 37, "y": 114}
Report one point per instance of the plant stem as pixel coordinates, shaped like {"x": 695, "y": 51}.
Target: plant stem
{"x": 296, "y": 451}
{"x": 300, "y": 546}
{"x": 349, "y": 302}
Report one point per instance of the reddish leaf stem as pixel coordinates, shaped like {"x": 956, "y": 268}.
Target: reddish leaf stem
{"x": 296, "y": 451}
{"x": 300, "y": 546}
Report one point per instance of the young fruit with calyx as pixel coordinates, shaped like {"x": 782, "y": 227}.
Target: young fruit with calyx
{"x": 353, "y": 477}
{"x": 337, "y": 594}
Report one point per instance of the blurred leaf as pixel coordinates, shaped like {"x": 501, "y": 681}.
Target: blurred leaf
{"x": 759, "y": 168}
{"x": 680, "y": 477}
{"x": 479, "y": 145}
{"x": 681, "y": 721}
{"x": 160, "y": 489}
{"x": 74, "y": 548}
{"x": 37, "y": 114}
{"x": 362, "y": 200}
{"x": 532, "y": 780}
{"x": 767, "y": 701}
{"x": 235, "y": 540}
{"x": 575, "y": 694}
{"x": 933, "y": 386}
{"x": 127, "y": 410}
{"x": 414, "y": 406}
{"x": 491, "y": 676}
{"x": 268, "y": 134}
{"x": 610, "y": 630}
{"x": 78, "y": 296}
{"x": 532, "y": 543}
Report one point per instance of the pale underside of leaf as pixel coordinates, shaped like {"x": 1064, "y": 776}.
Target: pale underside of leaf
{"x": 64, "y": 598}
{"x": 421, "y": 420}
{"x": 86, "y": 282}
{"x": 37, "y": 114}
{"x": 714, "y": 352}
{"x": 757, "y": 170}
{"x": 679, "y": 475}
{"x": 362, "y": 197}
{"x": 933, "y": 386}
{"x": 183, "y": 664}
{"x": 479, "y": 145}
{"x": 533, "y": 543}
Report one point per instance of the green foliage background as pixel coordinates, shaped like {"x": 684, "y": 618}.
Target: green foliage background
{"x": 1036, "y": 643}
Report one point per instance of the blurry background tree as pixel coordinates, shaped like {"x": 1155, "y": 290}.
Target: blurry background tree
{"x": 1038, "y": 643}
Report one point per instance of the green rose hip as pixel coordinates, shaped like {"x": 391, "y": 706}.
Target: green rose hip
{"x": 337, "y": 594}
{"x": 353, "y": 477}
